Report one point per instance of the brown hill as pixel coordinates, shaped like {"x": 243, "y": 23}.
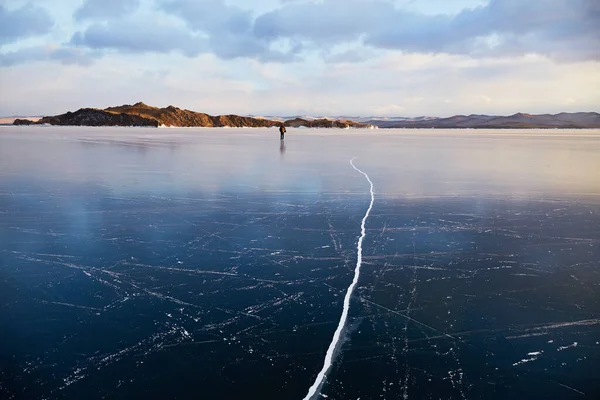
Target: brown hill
{"x": 95, "y": 117}
{"x": 140, "y": 114}
{"x": 324, "y": 123}
{"x": 21, "y": 121}
{"x": 174, "y": 116}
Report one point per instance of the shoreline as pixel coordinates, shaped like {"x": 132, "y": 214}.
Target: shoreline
{"x": 571, "y": 132}
{"x": 307, "y": 128}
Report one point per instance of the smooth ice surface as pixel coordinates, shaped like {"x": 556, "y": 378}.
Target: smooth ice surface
{"x": 213, "y": 263}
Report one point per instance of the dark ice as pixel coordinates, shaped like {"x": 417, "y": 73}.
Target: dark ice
{"x": 190, "y": 263}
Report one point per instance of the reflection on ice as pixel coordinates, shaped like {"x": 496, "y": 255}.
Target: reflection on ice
{"x": 406, "y": 163}
{"x": 217, "y": 261}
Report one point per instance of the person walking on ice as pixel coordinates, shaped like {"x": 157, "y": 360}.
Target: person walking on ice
{"x": 281, "y": 131}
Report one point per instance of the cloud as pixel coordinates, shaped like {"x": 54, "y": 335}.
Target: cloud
{"x": 23, "y": 22}
{"x": 140, "y": 37}
{"x": 531, "y": 84}
{"x": 229, "y": 28}
{"x": 350, "y": 56}
{"x": 209, "y": 15}
{"x": 327, "y": 22}
{"x": 64, "y": 55}
{"x": 337, "y": 31}
{"x": 190, "y": 27}
{"x": 563, "y": 30}
{"x": 105, "y": 9}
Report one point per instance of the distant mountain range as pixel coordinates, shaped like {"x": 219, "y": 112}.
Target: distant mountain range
{"x": 141, "y": 114}
{"x": 516, "y": 121}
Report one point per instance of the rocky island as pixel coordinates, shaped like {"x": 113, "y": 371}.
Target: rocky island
{"x": 141, "y": 114}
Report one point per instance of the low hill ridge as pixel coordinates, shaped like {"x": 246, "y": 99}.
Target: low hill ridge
{"x": 140, "y": 114}
{"x": 515, "y": 121}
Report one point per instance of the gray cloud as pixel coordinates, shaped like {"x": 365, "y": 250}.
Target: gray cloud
{"x": 23, "y": 22}
{"x": 64, "y": 55}
{"x": 140, "y": 37}
{"x": 562, "y": 29}
{"x": 209, "y": 15}
{"x": 210, "y": 26}
{"x": 337, "y": 30}
{"x": 326, "y": 22}
{"x": 229, "y": 46}
{"x": 105, "y": 9}
{"x": 229, "y": 28}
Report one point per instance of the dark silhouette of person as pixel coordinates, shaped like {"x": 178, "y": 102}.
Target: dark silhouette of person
{"x": 281, "y": 131}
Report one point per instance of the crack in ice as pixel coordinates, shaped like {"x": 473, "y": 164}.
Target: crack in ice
{"x": 333, "y": 346}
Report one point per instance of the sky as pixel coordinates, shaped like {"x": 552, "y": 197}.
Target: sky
{"x": 301, "y": 57}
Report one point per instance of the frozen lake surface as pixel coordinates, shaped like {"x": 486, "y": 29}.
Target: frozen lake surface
{"x": 213, "y": 263}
